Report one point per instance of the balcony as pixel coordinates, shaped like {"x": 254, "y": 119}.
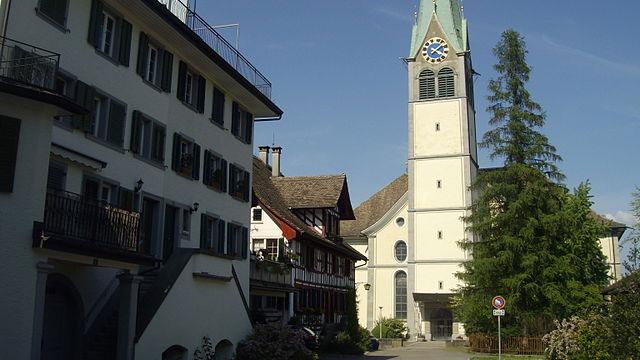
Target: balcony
{"x": 221, "y": 46}
{"x": 308, "y": 277}
{"x": 75, "y": 224}
{"x": 270, "y": 274}
{"x": 29, "y": 65}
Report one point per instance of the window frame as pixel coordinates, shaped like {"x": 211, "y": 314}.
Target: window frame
{"x": 400, "y": 314}
{"x": 96, "y": 124}
{"x": 395, "y": 251}
{"x": 255, "y": 211}
{"x": 143, "y": 125}
{"x": 47, "y": 17}
{"x": 208, "y": 174}
{"x": 242, "y": 194}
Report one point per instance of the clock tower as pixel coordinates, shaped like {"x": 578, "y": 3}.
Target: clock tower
{"x": 442, "y": 165}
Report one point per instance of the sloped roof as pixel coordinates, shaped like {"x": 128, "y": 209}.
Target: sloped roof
{"x": 375, "y": 207}
{"x": 449, "y": 15}
{"x": 315, "y": 192}
{"x": 272, "y": 200}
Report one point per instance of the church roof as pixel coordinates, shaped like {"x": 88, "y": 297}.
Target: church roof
{"x": 316, "y": 192}
{"x": 272, "y": 200}
{"x": 370, "y": 211}
{"x": 449, "y": 15}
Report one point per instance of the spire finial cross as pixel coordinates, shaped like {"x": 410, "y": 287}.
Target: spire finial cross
{"x": 435, "y": 7}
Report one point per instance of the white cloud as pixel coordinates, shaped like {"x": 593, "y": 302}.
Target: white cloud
{"x": 623, "y": 217}
{"x": 622, "y": 67}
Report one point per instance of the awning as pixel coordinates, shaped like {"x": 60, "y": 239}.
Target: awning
{"x": 77, "y": 157}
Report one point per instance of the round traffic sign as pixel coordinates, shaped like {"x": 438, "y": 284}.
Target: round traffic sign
{"x": 498, "y": 302}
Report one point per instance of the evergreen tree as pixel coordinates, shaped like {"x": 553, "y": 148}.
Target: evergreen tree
{"x": 534, "y": 243}
{"x": 632, "y": 263}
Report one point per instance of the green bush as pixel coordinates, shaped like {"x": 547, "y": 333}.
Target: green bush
{"x": 270, "y": 342}
{"x": 391, "y": 329}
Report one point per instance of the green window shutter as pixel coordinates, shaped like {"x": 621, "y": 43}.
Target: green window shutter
{"x": 143, "y": 52}
{"x": 224, "y": 175}
{"x": 167, "y": 71}
{"x": 206, "y": 177}
{"x": 235, "y": 119}
{"x": 246, "y": 186}
{"x": 202, "y": 92}
{"x": 95, "y": 23}
{"x": 427, "y": 85}
{"x": 160, "y": 135}
{"x": 175, "y": 161}
{"x": 9, "y": 134}
{"x": 195, "y": 169}
{"x": 217, "y": 113}
{"x": 221, "y": 227}
{"x": 182, "y": 74}
{"x": 125, "y": 42}
{"x": 204, "y": 244}
{"x": 446, "y": 83}
{"x": 136, "y": 132}
{"x": 245, "y": 243}
{"x": 117, "y": 120}
{"x": 229, "y": 239}
{"x": 56, "y": 10}
{"x": 248, "y": 136}
{"x": 85, "y": 95}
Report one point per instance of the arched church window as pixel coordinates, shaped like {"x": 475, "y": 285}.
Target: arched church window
{"x": 401, "y": 295}
{"x": 401, "y": 250}
{"x": 427, "y": 83}
{"x": 446, "y": 83}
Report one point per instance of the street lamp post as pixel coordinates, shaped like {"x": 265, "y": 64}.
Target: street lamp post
{"x": 380, "y": 322}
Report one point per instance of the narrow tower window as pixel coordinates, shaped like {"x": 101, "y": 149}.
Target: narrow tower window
{"x": 440, "y": 234}
{"x": 439, "y": 184}
{"x": 437, "y": 126}
{"x": 401, "y": 295}
{"x": 446, "y": 83}
{"x": 440, "y": 285}
{"x": 427, "y": 82}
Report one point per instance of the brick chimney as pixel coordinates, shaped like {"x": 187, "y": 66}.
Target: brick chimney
{"x": 263, "y": 154}
{"x": 275, "y": 160}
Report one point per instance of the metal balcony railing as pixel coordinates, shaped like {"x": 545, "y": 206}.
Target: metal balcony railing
{"x": 27, "y": 64}
{"x": 270, "y": 272}
{"x": 221, "y": 46}
{"x": 322, "y": 279}
{"x": 72, "y": 219}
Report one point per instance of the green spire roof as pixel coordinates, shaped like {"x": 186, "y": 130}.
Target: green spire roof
{"x": 449, "y": 15}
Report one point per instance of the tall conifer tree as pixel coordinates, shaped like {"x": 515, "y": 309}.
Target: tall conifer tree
{"x": 526, "y": 225}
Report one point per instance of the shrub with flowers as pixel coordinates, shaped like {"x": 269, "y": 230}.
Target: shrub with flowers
{"x": 273, "y": 342}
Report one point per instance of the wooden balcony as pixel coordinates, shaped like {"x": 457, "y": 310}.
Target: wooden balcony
{"x": 272, "y": 275}
{"x": 309, "y": 277}
{"x": 75, "y": 224}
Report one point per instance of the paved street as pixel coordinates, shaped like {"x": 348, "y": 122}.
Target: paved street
{"x": 413, "y": 351}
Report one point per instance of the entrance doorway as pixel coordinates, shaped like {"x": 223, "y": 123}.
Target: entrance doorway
{"x": 62, "y": 324}
{"x": 441, "y": 324}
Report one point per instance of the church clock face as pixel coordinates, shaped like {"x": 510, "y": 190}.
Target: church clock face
{"x": 435, "y": 50}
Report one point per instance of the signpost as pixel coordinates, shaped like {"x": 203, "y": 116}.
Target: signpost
{"x": 498, "y": 303}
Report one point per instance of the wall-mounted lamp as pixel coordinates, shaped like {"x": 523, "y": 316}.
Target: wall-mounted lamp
{"x": 367, "y": 287}
{"x": 194, "y": 208}
{"x": 138, "y": 187}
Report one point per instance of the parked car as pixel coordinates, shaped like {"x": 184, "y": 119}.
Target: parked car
{"x": 311, "y": 340}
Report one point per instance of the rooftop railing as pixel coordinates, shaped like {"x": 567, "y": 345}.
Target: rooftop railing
{"x": 27, "y": 64}
{"x": 219, "y": 44}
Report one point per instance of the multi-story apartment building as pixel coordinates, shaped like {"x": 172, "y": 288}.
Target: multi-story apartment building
{"x": 301, "y": 266}
{"x": 125, "y": 186}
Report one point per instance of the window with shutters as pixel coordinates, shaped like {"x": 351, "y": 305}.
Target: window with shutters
{"x": 215, "y": 171}
{"x": 54, "y": 11}
{"x": 155, "y": 64}
{"x": 400, "y": 281}
{"x": 65, "y": 85}
{"x": 108, "y": 119}
{"x": 446, "y": 83}
{"x": 109, "y": 33}
{"x": 239, "y": 183}
{"x": 217, "y": 113}
{"x": 242, "y": 123}
{"x": 212, "y": 234}
{"x": 237, "y": 241}
{"x": 95, "y": 188}
{"x": 57, "y": 177}
{"x": 148, "y": 138}
{"x": 191, "y": 88}
{"x": 186, "y": 157}
{"x": 427, "y": 85}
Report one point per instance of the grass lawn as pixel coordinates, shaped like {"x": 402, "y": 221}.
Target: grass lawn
{"x": 508, "y": 357}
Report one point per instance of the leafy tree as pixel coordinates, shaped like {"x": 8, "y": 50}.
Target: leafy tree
{"x": 632, "y": 263}
{"x": 535, "y": 243}
{"x": 391, "y": 329}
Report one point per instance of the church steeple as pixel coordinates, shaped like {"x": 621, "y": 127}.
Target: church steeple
{"x": 449, "y": 14}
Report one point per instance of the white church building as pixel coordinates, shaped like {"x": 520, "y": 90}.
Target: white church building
{"x": 410, "y": 229}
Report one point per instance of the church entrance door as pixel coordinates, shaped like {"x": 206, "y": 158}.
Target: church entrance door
{"x": 441, "y": 324}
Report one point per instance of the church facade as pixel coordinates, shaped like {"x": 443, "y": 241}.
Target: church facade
{"x": 411, "y": 228}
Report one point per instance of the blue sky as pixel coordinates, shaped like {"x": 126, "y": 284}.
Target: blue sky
{"x": 336, "y": 73}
